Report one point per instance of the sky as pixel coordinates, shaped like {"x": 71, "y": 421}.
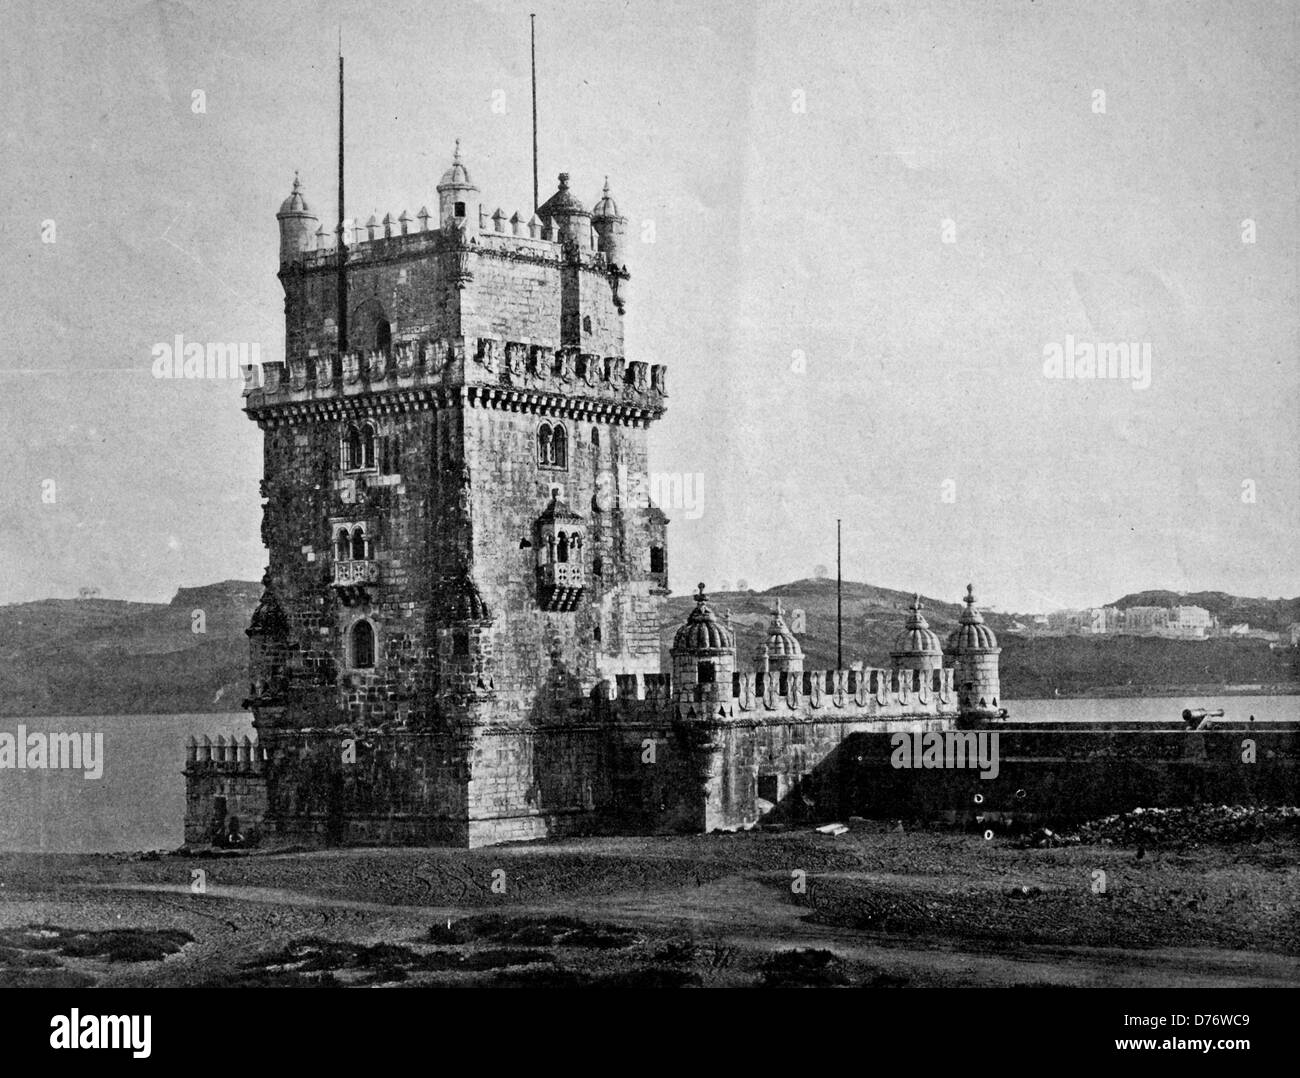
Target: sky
{"x": 859, "y": 229}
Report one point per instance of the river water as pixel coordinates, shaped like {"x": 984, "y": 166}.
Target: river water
{"x": 139, "y": 801}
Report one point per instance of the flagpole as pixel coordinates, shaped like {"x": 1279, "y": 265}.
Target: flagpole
{"x": 343, "y": 247}
{"x": 532, "y": 35}
{"x": 839, "y": 604}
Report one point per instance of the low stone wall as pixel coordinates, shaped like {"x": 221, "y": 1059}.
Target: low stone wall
{"x": 222, "y": 795}
{"x": 1068, "y": 775}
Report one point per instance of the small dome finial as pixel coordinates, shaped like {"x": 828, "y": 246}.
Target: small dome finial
{"x": 297, "y": 185}
{"x": 456, "y": 155}
{"x": 916, "y": 603}
{"x": 701, "y": 596}
{"x": 970, "y": 595}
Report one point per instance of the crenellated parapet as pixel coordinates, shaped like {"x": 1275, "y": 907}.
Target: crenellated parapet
{"x": 869, "y": 693}
{"x": 811, "y": 695}
{"x": 490, "y": 233}
{"x": 483, "y": 372}
{"x": 236, "y": 756}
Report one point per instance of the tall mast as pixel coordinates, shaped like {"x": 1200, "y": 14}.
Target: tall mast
{"x": 343, "y": 246}
{"x": 839, "y": 604}
{"x": 532, "y": 35}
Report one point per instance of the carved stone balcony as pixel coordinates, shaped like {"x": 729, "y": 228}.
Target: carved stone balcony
{"x": 355, "y": 574}
{"x": 560, "y": 585}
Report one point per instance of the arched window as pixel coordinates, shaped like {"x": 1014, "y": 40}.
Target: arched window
{"x": 367, "y": 446}
{"x": 657, "y": 559}
{"x": 343, "y": 545}
{"x": 352, "y": 451}
{"x": 363, "y": 645}
{"x": 562, "y": 548}
{"x": 358, "y": 544}
{"x": 559, "y": 447}
{"x": 595, "y": 438}
{"x": 383, "y": 336}
{"x": 544, "y": 444}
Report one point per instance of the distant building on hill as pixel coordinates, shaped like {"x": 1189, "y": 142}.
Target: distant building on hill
{"x": 1146, "y": 620}
{"x": 1182, "y": 622}
{"x": 1190, "y": 621}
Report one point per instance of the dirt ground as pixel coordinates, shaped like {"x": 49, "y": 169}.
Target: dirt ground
{"x": 873, "y": 907}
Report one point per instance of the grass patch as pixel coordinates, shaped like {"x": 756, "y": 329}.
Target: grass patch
{"x": 804, "y": 968}
{"x": 112, "y": 945}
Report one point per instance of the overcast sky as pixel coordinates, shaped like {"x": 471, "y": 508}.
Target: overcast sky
{"x": 800, "y": 164}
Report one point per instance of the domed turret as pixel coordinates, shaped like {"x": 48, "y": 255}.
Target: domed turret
{"x": 610, "y": 227}
{"x": 704, "y": 655}
{"x": 455, "y": 193}
{"x": 975, "y": 648}
{"x": 917, "y": 646}
{"x": 780, "y": 652}
{"x": 972, "y": 633}
{"x": 297, "y": 225}
{"x": 570, "y": 216}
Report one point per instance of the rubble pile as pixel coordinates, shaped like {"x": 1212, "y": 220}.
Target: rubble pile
{"x": 1180, "y": 826}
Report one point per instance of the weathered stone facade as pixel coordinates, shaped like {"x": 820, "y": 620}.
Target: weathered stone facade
{"x": 458, "y": 641}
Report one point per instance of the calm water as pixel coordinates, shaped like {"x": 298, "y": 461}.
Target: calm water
{"x": 1149, "y": 708}
{"x": 139, "y": 803}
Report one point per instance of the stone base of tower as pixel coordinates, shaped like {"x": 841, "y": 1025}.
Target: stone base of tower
{"x": 345, "y": 787}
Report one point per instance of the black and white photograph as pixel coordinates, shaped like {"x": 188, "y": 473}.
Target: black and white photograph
{"x": 654, "y": 494}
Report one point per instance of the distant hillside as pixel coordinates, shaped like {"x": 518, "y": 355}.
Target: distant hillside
{"x": 1274, "y": 614}
{"x": 107, "y": 657}
{"x": 104, "y": 656}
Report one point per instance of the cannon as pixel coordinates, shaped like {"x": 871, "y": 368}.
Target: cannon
{"x": 1195, "y": 717}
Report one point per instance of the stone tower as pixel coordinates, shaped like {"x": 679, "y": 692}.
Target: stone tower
{"x": 449, "y": 576}
{"x": 975, "y": 650}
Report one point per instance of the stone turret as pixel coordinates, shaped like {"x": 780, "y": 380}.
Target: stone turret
{"x": 570, "y": 216}
{"x": 780, "y": 652}
{"x": 704, "y": 658}
{"x": 610, "y": 227}
{"x": 611, "y": 234}
{"x": 917, "y": 647}
{"x": 456, "y": 194}
{"x": 297, "y": 225}
{"x": 975, "y": 649}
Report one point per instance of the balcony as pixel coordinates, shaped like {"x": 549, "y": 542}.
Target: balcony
{"x": 355, "y": 573}
{"x": 560, "y": 585}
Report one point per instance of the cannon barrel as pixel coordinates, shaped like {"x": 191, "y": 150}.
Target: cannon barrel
{"x": 1194, "y": 715}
